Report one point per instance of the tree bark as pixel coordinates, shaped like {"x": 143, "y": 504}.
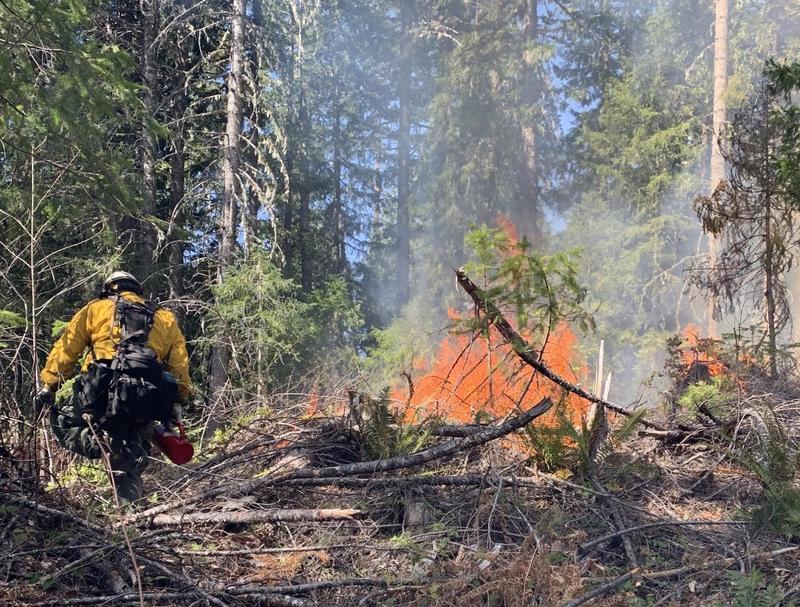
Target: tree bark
{"x": 255, "y": 516}
{"x": 304, "y": 193}
{"x": 528, "y": 205}
{"x": 770, "y": 275}
{"x": 221, "y": 352}
{"x": 340, "y": 253}
{"x": 717, "y": 173}
{"x": 377, "y": 195}
{"x": 144, "y": 245}
{"x": 403, "y": 156}
{"x": 177, "y": 191}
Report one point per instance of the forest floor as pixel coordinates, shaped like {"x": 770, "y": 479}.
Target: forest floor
{"x": 649, "y": 524}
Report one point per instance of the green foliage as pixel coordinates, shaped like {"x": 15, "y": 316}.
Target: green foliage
{"x": 563, "y": 445}
{"x": 80, "y": 474}
{"x": 273, "y": 328}
{"x": 715, "y": 395}
{"x": 558, "y": 445}
{"x": 11, "y": 320}
{"x": 383, "y": 428}
{"x": 406, "y": 343}
{"x": 783, "y": 79}
{"x": 58, "y": 328}
{"x": 333, "y": 326}
{"x": 774, "y": 465}
{"x": 753, "y": 591}
{"x": 541, "y": 290}
{"x": 621, "y": 433}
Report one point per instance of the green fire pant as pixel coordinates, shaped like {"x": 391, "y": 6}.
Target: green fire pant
{"x": 128, "y": 450}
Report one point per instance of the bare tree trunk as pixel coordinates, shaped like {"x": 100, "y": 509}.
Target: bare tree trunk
{"x": 717, "y": 158}
{"x": 144, "y": 246}
{"x": 177, "y": 191}
{"x": 221, "y": 352}
{"x": 528, "y": 211}
{"x": 338, "y": 206}
{"x": 403, "y": 156}
{"x": 304, "y": 195}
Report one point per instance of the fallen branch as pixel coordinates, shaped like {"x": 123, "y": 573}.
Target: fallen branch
{"x": 584, "y": 548}
{"x": 456, "y": 431}
{"x": 285, "y": 549}
{"x": 255, "y": 516}
{"x": 524, "y": 351}
{"x": 619, "y": 521}
{"x": 304, "y": 588}
{"x": 274, "y": 600}
{"x": 88, "y": 557}
{"x": 434, "y": 480}
{"x": 52, "y": 512}
{"x": 726, "y": 562}
{"x": 371, "y": 467}
{"x": 116, "y": 599}
{"x": 601, "y": 590}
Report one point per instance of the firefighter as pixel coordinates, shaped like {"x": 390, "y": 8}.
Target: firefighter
{"x": 135, "y": 372}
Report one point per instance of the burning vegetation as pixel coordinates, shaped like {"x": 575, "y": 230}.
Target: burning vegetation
{"x": 295, "y": 179}
{"x": 477, "y": 377}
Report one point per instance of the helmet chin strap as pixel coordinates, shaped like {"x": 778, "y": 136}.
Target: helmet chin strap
{"x": 121, "y": 286}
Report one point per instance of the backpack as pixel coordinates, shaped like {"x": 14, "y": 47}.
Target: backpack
{"x": 132, "y": 389}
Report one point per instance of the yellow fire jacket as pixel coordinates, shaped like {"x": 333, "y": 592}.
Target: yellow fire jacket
{"x": 93, "y": 327}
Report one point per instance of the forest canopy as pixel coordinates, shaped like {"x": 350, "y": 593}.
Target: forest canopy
{"x": 380, "y": 223}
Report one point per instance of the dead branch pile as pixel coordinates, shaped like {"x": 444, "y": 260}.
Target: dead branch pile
{"x": 288, "y": 511}
{"x": 263, "y": 523}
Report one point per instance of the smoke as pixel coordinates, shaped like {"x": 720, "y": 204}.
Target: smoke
{"x": 626, "y": 164}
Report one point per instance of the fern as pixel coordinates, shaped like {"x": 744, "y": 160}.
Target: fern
{"x": 565, "y": 445}
{"x": 559, "y": 445}
{"x": 621, "y": 434}
{"x": 751, "y": 591}
{"x": 384, "y": 430}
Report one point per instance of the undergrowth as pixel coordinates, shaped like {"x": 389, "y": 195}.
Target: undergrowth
{"x": 561, "y": 444}
{"x": 384, "y": 431}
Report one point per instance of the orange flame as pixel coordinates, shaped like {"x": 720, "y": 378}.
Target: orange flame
{"x": 482, "y": 375}
{"x": 472, "y": 376}
{"x": 699, "y": 351}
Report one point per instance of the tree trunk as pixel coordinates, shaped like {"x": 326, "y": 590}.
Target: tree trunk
{"x": 144, "y": 245}
{"x": 221, "y": 352}
{"x": 176, "y": 194}
{"x": 304, "y": 194}
{"x": 177, "y": 191}
{"x": 340, "y": 253}
{"x": 403, "y": 155}
{"x": 377, "y": 194}
{"x": 292, "y": 152}
{"x": 770, "y": 273}
{"x": 528, "y": 209}
{"x": 717, "y": 158}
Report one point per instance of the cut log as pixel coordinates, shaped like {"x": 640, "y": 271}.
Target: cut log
{"x": 255, "y": 516}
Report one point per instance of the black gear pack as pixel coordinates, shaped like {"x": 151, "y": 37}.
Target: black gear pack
{"x": 132, "y": 389}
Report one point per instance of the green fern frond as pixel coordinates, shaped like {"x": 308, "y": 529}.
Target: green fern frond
{"x": 559, "y": 445}
{"x": 384, "y": 430}
{"x": 621, "y": 434}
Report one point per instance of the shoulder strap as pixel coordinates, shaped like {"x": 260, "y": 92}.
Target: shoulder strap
{"x": 135, "y": 319}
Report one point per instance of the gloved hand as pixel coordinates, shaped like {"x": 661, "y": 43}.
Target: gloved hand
{"x": 44, "y": 399}
{"x": 177, "y": 413}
